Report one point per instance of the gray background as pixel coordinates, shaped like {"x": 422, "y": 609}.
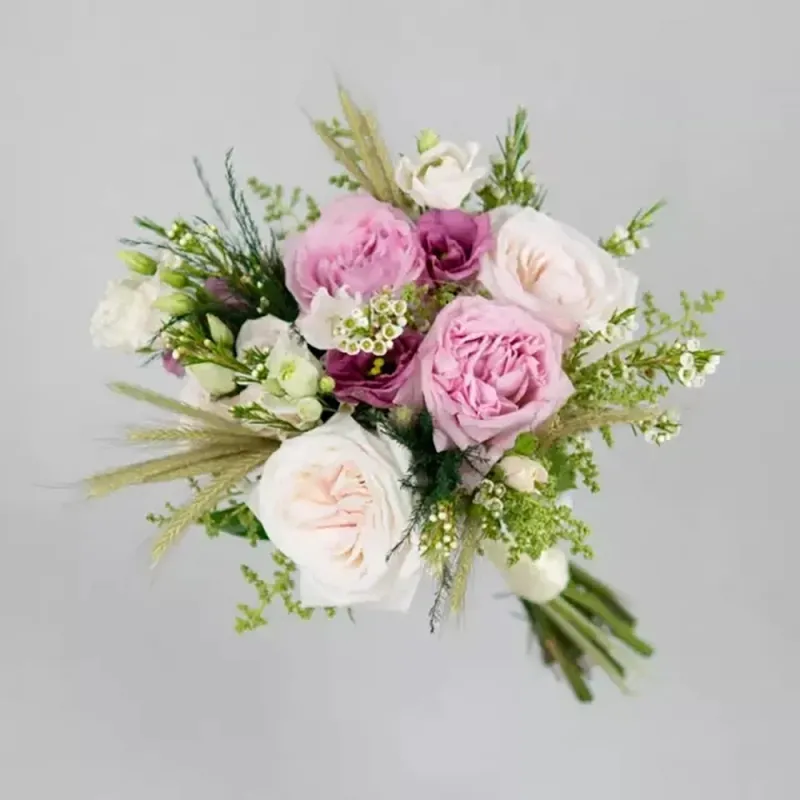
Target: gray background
{"x": 117, "y": 683}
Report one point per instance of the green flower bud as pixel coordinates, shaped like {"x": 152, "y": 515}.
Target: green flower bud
{"x": 220, "y": 332}
{"x": 309, "y": 409}
{"x": 426, "y": 140}
{"x": 273, "y": 387}
{"x": 327, "y": 384}
{"x": 172, "y": 278}
{"x": 214, "y": 379}
{"x": 138, "y": 262}
{"x": 175, "y": 304}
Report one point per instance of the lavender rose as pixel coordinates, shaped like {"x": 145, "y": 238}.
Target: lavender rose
{"x": 367, "y": 379}
{"x": 486, "y": 372}
{"x": 454, "y": 242}
{"x": 359, "y": 245}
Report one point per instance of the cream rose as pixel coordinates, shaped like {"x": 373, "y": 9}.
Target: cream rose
{"x": 332, "y": 501}
{"x": 442, "y": 177}
{"x": 554, "y": 271}
{"x": 126, "y": 318}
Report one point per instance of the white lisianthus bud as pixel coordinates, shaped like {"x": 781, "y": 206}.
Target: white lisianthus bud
{"x": 214, "y": 379}
{"x": 522, "y": 473}
{"x": 426, "y": 140}
{"x": 309, "y": 409}
{"x": 219, "y": 331}
{"x": 176, "y": 304}
{"x": 138, "y": 262}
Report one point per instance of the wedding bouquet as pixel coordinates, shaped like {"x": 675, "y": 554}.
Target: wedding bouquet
{"x": 402, "y": 382}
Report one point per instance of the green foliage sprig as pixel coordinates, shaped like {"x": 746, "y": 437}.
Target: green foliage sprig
{"x": 252, "y": 269}
{"x": 626, "y": 241}
{"x": 511, "y": 181}
{"x": 235, "y": 519}
{"x": 281, "y": 586}
{"x": 286, "y": 211}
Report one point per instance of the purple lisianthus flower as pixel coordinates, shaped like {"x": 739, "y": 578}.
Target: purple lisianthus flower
{"x": 375, "y": 380}
{"x": 218, "y": 287}
{"x": 171, "y": 364}
{"x": 454, "y": 242}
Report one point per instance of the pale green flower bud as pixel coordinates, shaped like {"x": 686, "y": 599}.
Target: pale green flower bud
{"x": 426, "y": 140}
{"x": 327, "y": 384}
{"x": 297, "y": 377}
{"x": 138, "y": 262}
{"x": 214, "y": 379}
{"x": 309, "y": 409}
{"x": 273, "y": 387}
{"x": 220, "y": 332}
{"x": 176, "y": 304}
{"x": 172, "y": 278}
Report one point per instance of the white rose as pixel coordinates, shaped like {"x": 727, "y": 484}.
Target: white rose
{"x": 125, "y": 319}
{"x": 538, "y": 581}
{"x": 333, "y": 502}
{"x": 324, "y": 314}
{"x": 554, "y": 271}
{"x": 522, "y": 473}
{"x": 443, "y": 176}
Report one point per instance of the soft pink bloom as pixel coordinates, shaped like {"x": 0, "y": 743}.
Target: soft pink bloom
{"x": 358, "y": 244}
{"x": 486, "y": 372}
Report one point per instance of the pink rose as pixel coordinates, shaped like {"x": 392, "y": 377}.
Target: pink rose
{"x": 358, "y": 244}
{"x": 486, "y": 372}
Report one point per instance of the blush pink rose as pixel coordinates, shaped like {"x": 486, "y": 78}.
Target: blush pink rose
{"x": 487, "y": 371}
{"x": 358, "y": 244}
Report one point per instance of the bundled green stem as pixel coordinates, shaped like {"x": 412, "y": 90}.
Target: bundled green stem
{"x": 586, "y": 625}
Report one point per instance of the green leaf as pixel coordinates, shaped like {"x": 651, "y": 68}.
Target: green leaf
{"x": 525, "y": 444}
{"x": 562, "y": 470}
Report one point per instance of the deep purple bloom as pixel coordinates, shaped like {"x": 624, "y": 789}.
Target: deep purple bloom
{"x": 218, "y": 287}
{"x": 454, "y": 242}
{"x": 171, "y": 364}
{"x": 360, "y": 379}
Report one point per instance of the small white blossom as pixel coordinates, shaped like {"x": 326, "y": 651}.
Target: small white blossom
{"x": 629, "y": 247}
{"x": 621, "y": 233}
{"x": 698, "y": 382}
{"x": 686, "y": 375}
{"x": 692, "y": 345}
{"x": 687, "y": 360}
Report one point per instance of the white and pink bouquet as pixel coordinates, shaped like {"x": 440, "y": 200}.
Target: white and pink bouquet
{"x": 401, "y": 383}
